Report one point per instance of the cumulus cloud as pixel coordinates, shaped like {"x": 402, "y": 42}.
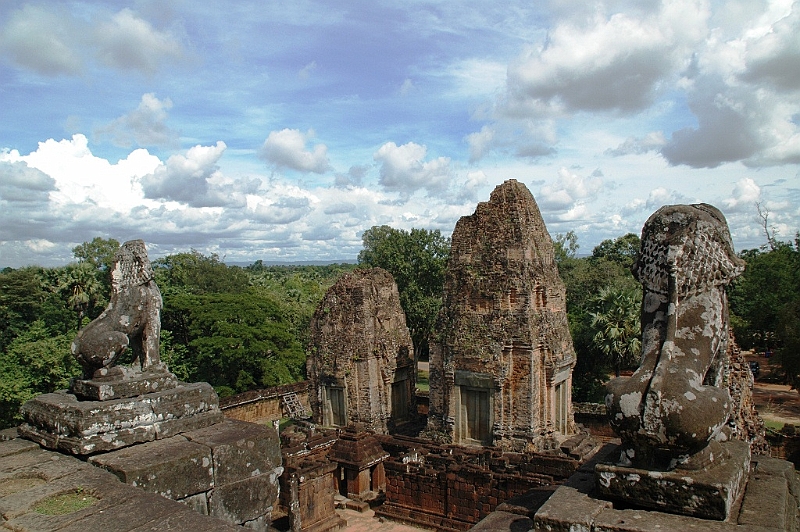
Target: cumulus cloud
{"x": 568, "y": 191}
{"x": 286, "y": 209}
{"x": 653, "y": 141}
{"x": 128, "y": 42}
{"x": 21, "y": 183}
{"x": 42, "y": 40}
{"x": 746, "y": 193}
{"x": 613, "y": 63}
{"x": 404, "y": 169}
{"x": 54, "y": 42}
{"x": 287, "y": 149}
{"x": 743, "y": 92}
{"x": 144, "y": 126}
{"x": 185, "y": 178}
{"x": 353, "y": 178}
{"x": 469, "y": 189}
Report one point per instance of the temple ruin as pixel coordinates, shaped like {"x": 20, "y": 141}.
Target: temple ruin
{"x": 501, "y": 369}
{"x": 361, "y": 366}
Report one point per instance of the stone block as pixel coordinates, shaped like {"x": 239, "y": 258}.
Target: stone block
{"x": 245, "y": 500}
{"x": 497, "y": 521}
{"x": 709, "y": 492}
{"x": 60, "y": 421}
{"x": 239, "y": 449}
{"x": 174, "y": 468}
{"x": 570, "y": 508}
{"x": 198, "y": 503}
{"x": 121, "y": 382}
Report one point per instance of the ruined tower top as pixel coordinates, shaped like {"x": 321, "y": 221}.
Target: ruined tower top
{"x": 501, "y": 370}
{"x": 361, "y": 363}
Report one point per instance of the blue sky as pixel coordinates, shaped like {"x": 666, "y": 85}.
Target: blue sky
{"x": 283, "y": 130}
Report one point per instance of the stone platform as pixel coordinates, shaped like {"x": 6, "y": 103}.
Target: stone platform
{"x": 707, "y": 490}
{"x": 30, "y": 475}
{"x": 769, "y": 504}
{"x": 63, "y": 422}
{"x": 229, "y": 470}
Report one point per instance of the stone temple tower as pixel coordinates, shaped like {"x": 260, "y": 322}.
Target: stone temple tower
{"x": 361, "y": 363}
{"x": 501, "y": 368}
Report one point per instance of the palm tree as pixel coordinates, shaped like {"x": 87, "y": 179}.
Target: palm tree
{"x": 617, "y": 324}
{"x": 81, "y": 287}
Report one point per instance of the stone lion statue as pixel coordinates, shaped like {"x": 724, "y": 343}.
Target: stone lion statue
{"x": 676, "y": 401}
{"x": 131, "y": 319}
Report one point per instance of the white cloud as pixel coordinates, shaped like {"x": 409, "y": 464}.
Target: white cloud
{"x": 407, "y": 87}
{"x": 403, "y": 169}
{"x": 653, "y": 141}
{"x": 21, "y": 183}
{"x": 744, "y": 92}
{"x": 480, "y": 143}
{"x": 187, "y": 178}
{"x": 81, "y": 177}
{"x": 54, "y": 41}
{"x": 568, "y": 192}
{"x": 42, "y": 40}
{"x": 307, "y": 70}
{"x": 128, "y": 42}
{"x": 144, "y": 126}
{"x": 745, "y": 195}
{"x": 612, "y": 63}
{"x": 287, "y": 149}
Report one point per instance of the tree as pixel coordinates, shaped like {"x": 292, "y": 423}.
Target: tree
{"x": 37, "y": 361}
{"x": 417, "y": 260}
{"x": 198, "y": 274}
{"x": 241, "y": 341}
{"x": 99, "y": 252}
{"x": 771, "y": 280}
{"x": 765, "y": 303}
{"x": 615, "y": 318}
{"x": 565, "y": 246}
{"x": 621, "y": 250}
{"x": 82, "y": 290}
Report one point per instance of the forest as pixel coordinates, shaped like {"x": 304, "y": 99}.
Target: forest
{"x": 242, "y": 328}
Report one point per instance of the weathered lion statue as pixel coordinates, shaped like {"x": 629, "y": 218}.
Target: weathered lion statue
{"x": 131, "y": 319}
{"x": 676, "y": 402}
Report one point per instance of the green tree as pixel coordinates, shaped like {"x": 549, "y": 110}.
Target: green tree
{"x": 99, "y": 252}
{"x": 37, "y": 361}
{"x": 199, "y": 274}
{"x": 615, "y": 318}
{"x": 765, "y": 303}
{"x": 241, "y": 341}
{"x": 621, "y": 250}
{"x": 565, "y": 246}
{"x": 417, "y": 260}
{"x": 82, "y": 290}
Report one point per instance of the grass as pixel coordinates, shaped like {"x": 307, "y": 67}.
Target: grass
{"x": 422, "y": 381}
{"x": 66, "y": 503}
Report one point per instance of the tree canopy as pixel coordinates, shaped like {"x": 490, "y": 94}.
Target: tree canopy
{"x": 417, "y": 260}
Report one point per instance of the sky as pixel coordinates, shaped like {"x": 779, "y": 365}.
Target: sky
{"x": 281, "y": 131}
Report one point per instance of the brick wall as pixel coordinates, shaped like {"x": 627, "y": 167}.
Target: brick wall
{"x": 263, "y": 406}
{"x": 452, "y": 488}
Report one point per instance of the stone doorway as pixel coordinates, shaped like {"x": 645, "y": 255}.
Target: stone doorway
{"x": 475, "y": 412}
{"x": 335, "y": 411}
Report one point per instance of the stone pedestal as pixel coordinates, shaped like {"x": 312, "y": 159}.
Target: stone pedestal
{"x": 119, "y": 382}
{"x": 769, "y": 503}
{"x": 63, "y": 422}
{"x": 708, "y": 490}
